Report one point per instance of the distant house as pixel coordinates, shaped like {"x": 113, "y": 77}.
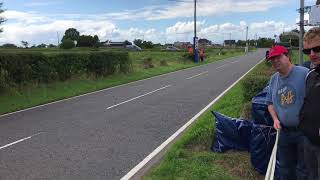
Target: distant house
{"x": 204, "y": 42}
{"x": 125, "y": 44}
{"x": 111, "y": 44}
{"x": 182, "y": 45}
{"x": 229, "y": 43}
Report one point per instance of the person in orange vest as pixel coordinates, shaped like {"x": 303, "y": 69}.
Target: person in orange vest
{"x": 190, "y": 50}
{"x": 201, "y": 54}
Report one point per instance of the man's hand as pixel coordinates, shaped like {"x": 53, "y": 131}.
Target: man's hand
{"x": 276, "y": 124}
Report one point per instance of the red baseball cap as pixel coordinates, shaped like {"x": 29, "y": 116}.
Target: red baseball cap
{"x": 277, "y": 51}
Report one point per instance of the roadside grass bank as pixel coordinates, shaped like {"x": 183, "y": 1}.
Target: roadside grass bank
{"x": 29, "y": 95}
{"x": 191, "y": 157}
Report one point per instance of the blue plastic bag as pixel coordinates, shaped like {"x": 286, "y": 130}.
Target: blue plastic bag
{"x": 260, "y": 113}
{"x": 231, "y": 133}
{"x": 262, "y": 142}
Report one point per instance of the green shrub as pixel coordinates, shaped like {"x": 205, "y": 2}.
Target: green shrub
{"x": 246, "y": 111}
{"x": 106, "y": 63}
{"x": 67, "y": 64}
{"x": 163, "y": 63}
{"x": 3, "y": 81}
{"x": 26, "y": 67}
{"x": 147, "y": 63}
{"x": 252, "y": 85}
{"x": 187, "y": 55}
{"x": 67, "y": 44}
{"x": 125, "y": 62}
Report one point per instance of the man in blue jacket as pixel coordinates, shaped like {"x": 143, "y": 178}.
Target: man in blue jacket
{"x": 285, "y": 98}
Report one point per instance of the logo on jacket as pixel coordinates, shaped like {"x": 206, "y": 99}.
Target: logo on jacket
{"x": 286, "y": 95}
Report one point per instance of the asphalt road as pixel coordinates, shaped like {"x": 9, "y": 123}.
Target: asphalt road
{"x": 105, "y": 134}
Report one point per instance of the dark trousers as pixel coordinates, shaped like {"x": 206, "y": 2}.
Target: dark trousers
{"x": 312, "y": 159}
{"x": 291, "y": 155}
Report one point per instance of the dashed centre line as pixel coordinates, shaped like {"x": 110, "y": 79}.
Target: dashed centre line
{"x": 16, "y": 142}
{"x": 221, "y": 66}
{"x": 137, "y": 97}
{"x": 197, "y": 75}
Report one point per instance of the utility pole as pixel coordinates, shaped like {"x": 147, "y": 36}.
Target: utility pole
{"x": 58, "y": 38}
{"x": 256, "y": 40}
{"x": 195, "y": 39}
{"x": 247, "y": 48}
{"x": 301, "y": 31}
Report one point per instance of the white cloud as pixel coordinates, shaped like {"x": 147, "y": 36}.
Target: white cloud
{"x": 40, "y": 3}
{"x": 183, "y": 27}
{"x": 47, "y": 32}
{"x": 24, "y": 17}
{"x": 219, "y": 32}
{"x": 205, "y": 8}
{"x": 36, "y": 29}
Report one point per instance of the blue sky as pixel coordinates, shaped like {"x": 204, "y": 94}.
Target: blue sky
{"x": 164, "y": 21}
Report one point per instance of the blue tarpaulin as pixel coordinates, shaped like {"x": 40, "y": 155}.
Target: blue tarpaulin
{"x": 260, "y": 112}
{"x": 262, "y": 142}
{"x": 256, "y": 136}
{"x": 231, "y": 133}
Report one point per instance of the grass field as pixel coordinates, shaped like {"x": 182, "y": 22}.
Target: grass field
{"x": 20, "y": 97}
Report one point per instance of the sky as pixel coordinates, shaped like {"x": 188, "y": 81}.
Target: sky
{"x": 159, "y": 21}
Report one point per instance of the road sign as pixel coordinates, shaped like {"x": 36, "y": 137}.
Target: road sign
{"x": 314, "y": 15}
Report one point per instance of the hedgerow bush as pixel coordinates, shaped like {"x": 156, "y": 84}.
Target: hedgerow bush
{"x": 25, "y": 67}
{"x": 68, "y": 64}
{"x": 147, "y": 63}
{"x": 125, "y": 62}
{"x": 3, "y": 81}
{"x": 253, "y": 84}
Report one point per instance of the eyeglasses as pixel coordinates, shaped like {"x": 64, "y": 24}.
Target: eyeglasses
{"x": 314, "y": 49}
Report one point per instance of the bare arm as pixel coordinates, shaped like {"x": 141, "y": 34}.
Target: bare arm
{"x": 273, "y": 113}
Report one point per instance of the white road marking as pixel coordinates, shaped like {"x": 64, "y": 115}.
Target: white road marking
{"x": 16, "y": 142}
{"x": 197, "y": 75}
{"x": 133, "y": 171}
{"x": 234, "y": 62}
{"x": 138, "y": 97}
{"x": 221, "y": 66}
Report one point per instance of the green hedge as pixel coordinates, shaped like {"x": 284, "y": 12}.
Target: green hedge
{"x": 25, "y": 67}
{"x": 253, "y": 84}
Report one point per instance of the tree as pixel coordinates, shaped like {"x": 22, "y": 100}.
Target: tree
{"x": 143, "y": 44}
{"x": 147, "y": 44}
{"x": 67, "y": 44}
{"x": 52, "y": 46}
{"x": 138, "y": 42}
{"x": 8, "y": 45}
{"x": 292, "y": 38}
{"x": 25, "y": 44}
{"x": 42, "y": 45}
{"x": 241, "y": 43}
{"x": 71, "y": 34}
{"x": 265, "y": 42}
{"x": 1, "y": 18}
{"x": 96, "y": 41}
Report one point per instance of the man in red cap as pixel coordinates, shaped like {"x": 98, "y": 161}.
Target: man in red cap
{"x": 285, "y": 99}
